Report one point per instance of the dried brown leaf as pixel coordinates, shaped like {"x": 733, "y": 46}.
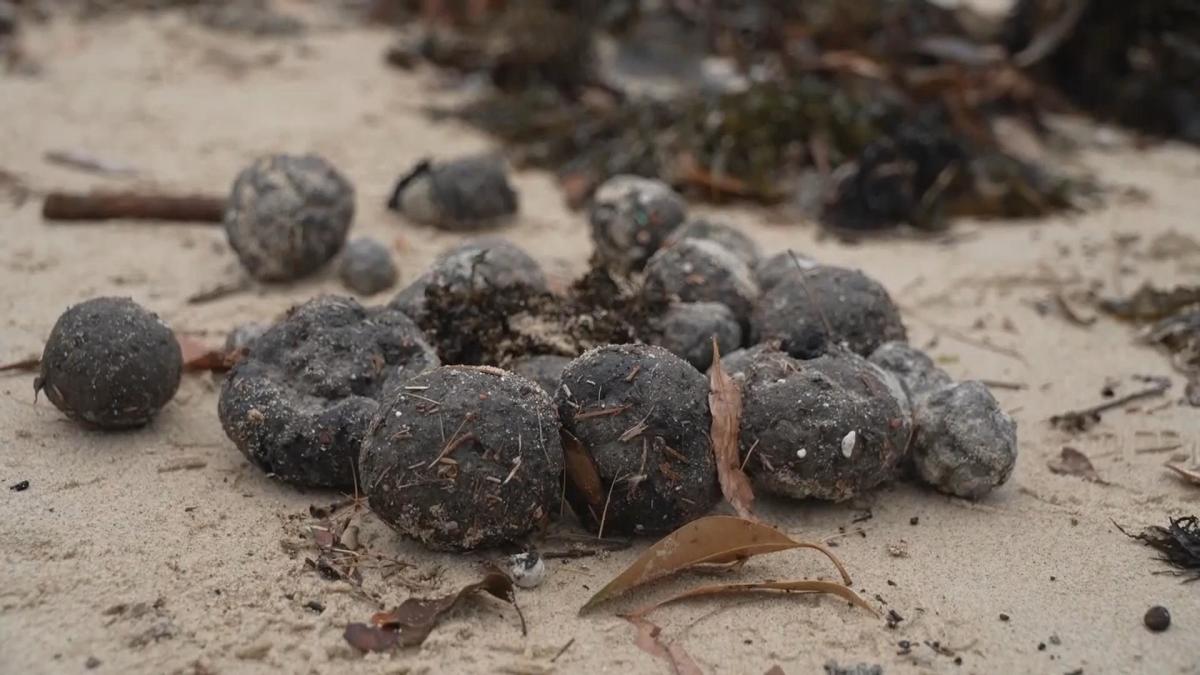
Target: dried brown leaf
{"x": 649, "y": 639}
{"x": 416, "y": 618}
{"x": 803, "y": 586}
{"x": 714, "y": 539}
{"x": 1074, "y": 463}
{"x": 1190, "y": 475}
{"x": 581, "y": 469}
{"x": 199, "y": 356}
{"x": 725, "y": 402}
{"x": 370, "y": 638}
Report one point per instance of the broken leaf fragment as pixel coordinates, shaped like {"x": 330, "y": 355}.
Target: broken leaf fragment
{"x": 714, "y": 540}
{"x": 649, "y": 639}
{"x": 370, "y": 638}
{"x": 803, "y": 586}
{"x": 725, "y": 403}
{"x": 1072, "y": 462}
{"x": 416, "y": 618}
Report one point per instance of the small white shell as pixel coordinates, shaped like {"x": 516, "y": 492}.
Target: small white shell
{"x": 848, "y": 442}
{"x": 802, "y": 453}
{"x": 527, "y": 570}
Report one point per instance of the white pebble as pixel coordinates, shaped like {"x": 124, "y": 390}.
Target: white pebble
{"x": 848, "y": 444}
{"x": 527, "y": 569}
{"x": 802, "y": 453}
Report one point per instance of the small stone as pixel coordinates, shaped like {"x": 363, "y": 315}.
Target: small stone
{"x": 298, "y": 406}
{"x": 631, "y": 217}
{"x": 461, "y": 194}
{"x": 965, "y": 444}
{"x": 288, "y": 215}
{"x": 1157, "y": 618}
{"x": 545, "y": 369}
{"x": 527, "y": 570}
{"x": 802, "y": 309}
{"x": 720, "y": 232}
{"x": 1004, "y": 617}
{"x": 687, "y": 330}
{"x": 486, "y": 262}
{"x": 790, "y": 404}
{"x": 110, "y": 363}
{"x": 768, "y": 272}
{"x": 699, "y": 270}
{"x": 640, "y": 415}
{"x": 366, "y": 267}
{"x": 471, "y": 460}
{"x": 92, "y": 663}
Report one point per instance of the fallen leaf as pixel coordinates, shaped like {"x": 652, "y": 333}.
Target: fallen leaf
{"x": 370, "y": 639}
{"x": 581, "y": 469}
{"x": 803, "y": 586}
{"x": 198, "y": 356}
{"x": 649, "y": 639}
{"x": 1074, "y": 463}
{"x": 1190, "y": 475}
{"x": 416, "y": 618}
{"x": 31, "y": 363}
{"x": 725, "y": 402}
{"x": 711, "y": 540}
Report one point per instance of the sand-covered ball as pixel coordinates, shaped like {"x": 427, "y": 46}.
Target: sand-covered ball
{"x": 701, "y": 270}
{"x": 801, "y": 309}
{"x": 110, "y": 363}
{"x": 687, "y": 329}
{"x": 486, "y": 262}
{"x": 635, "y": 427}
{"x": 460, "y": 194}
{"x": 832, "y": 427}
{"x": 722, "y": 233}
{"x": 966, "y": 445}
{"x": 768, "y": 272}
{"x": 366, "y": 266}
{"x": 631, "y": 217}
{"x": 288, "y": 215}
{"x": 298, "y": 405}
{"x": 467, "y": 457}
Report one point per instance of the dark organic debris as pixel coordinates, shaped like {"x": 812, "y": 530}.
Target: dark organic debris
{"x": 94, "y": 206}
{"x": 1086, "y": 418}
{"x": 1190, "y": 475}
{"x": 20, "y": 486}
{"x": 27, "y": 364}
{"x": 1178, "y": 544}
{"x": 1149, "y": 303}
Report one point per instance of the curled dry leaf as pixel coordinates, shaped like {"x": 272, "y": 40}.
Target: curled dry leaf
{"x": 802, "y": 586}
{"x": 649, "y": 639}
{"x": 416, "y": 618}
{"x": 370, "y": 638}
{"x": 1190, "y": 475}
{"x": 725, "y": 402}
{"x": 1074, "y": 463}
{"x": 710, "y": 540}
{"x": 198, "y": 356}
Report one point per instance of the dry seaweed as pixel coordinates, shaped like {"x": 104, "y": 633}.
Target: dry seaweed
{"x": 1178, "y": 544}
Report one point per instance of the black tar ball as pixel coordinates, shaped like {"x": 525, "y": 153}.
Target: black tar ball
{"x": 110, "y": 363}
{"x": 631, "y": 217}
{"x": 466, "y": 457}
{"x": 722, "y": 233}
{"x": 687, "y": 329}
{"x": 299, "y": 404}
{"x": 459, "y": 194}
{"x": 636, "y": 417}
{"x": 288, "y": 215}
{"x": 701, "y": 270}
{"x": 480, "y": 264}
{"x": 768, "y": 272}
{"x": 366, "y": 267}
{"x": 802, "y": 309}
{"x": 831, "y": 427}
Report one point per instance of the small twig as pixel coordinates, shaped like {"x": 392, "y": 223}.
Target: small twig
{"x": 1071, "y": 418}
{"x": 603, "y": 412}
{"x": 454, "y": 443}
{"x": 1000, "y": 384}
{"x": 607, "y": 500}
{"x": 222, "y": 290}
{"x": 30, "y": 363}
{"x": 1158, "y": 448}
{"x": 62, "y": 206}
{"x": 563, "y": 650}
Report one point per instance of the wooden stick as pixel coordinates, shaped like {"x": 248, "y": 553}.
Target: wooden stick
{"x": 64, "y": 206}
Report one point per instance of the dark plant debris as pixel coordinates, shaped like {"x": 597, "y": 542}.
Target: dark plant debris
{"x": 1086, "y": 418}
{"x": 884, "y": 111}
{"x": 20, "y": 486}
{"x": 1178, "y": 544}
{"x": 1072, "y": 462}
